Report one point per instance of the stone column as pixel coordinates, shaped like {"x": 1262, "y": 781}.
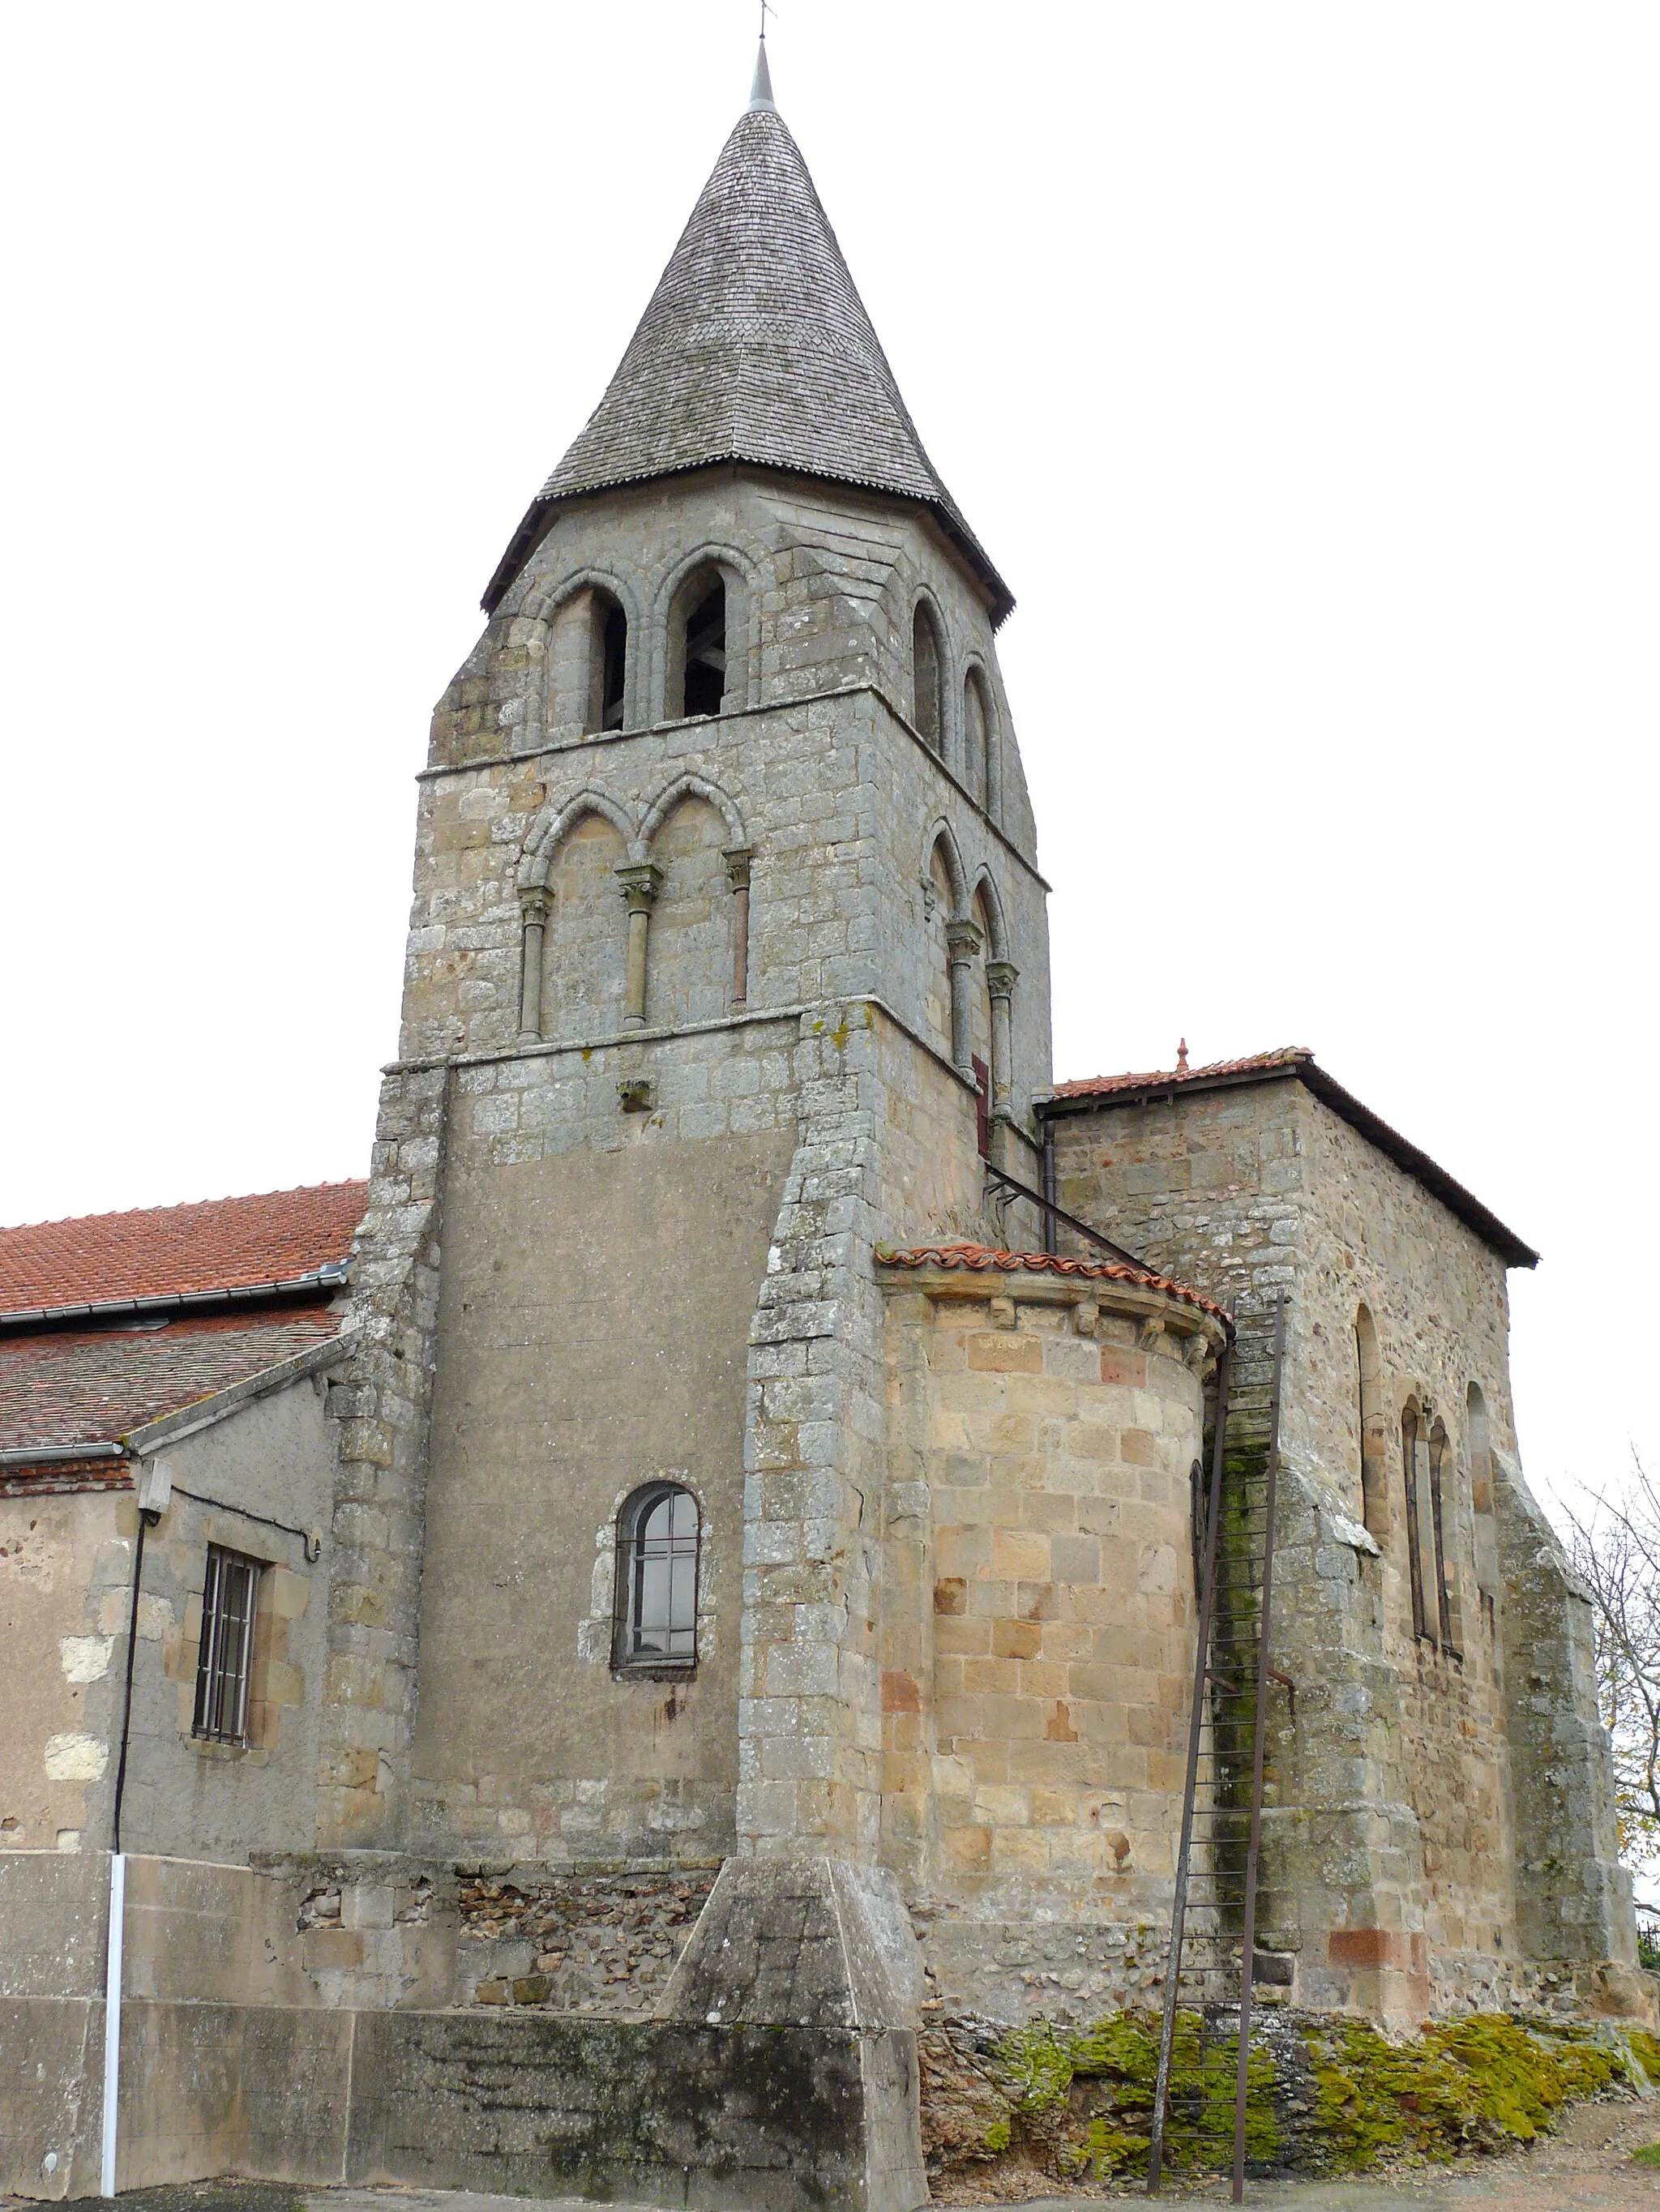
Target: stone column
{"x": 1001, "y": 978}
{"x": 533, "y": 908}
{"x": 738, "y": 859}
{"x": 962, "y": 944}
{"x": 640, "y": 888}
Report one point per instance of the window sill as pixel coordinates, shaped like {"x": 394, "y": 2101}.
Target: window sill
{"x": 654, "y": 1670}
{"x": 207, "y": 1747}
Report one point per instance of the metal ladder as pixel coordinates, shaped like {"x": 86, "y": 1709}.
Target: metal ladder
{"x": 1213, "y": 1922}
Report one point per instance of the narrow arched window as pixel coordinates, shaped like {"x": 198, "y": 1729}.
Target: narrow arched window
{"x": 1416, "y": 1519}
{"x": 706, "y": 651}
{"x": 925, "y": 660}
{"x": 1374, "y": 1429}
{"x": 610, "y": 649}
{"x": 1482, "y": 1503}
{"x": 977, "y": 739}
{"x": 1446, "y": 1619}
{"x": 656, "y": 1602}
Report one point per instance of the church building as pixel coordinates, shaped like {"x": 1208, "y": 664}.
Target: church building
{"x": 762, "y": 1439}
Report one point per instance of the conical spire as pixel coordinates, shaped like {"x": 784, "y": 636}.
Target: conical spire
{"x": 756, "y": 347}
{"x": 761, "y": 90}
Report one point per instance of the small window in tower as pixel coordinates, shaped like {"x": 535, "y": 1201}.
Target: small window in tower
{"x": 608, "y": 663}
{"x": 229, "y": 1599}
{"x": 613, "y": 656}
{"x": 925, "y": 676}
{"x": 706, "y": 653}
{"x": 656, "y": 1603}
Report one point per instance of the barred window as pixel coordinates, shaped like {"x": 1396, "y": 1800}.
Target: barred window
{"x": 656, "y": 1609}
{"x": 229, "y": 1602}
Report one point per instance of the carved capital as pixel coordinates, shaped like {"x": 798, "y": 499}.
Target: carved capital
{"x": 639, "y": 885}
{"x": 1001, "y": 975}
{"x": 533, "y": 907}
{"x": 963, "y": 939}
{"x": 738, "y": 859}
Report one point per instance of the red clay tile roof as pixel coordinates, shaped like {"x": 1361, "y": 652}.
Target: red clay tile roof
{"x": 223, "y": 1244}
{"x": 92, "y": 1386}
{"x": 981, "y": 1257}
{"x": 1296, "y": 1060}
{"x": 1289, "y": 1057}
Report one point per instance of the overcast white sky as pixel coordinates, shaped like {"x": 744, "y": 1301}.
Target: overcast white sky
{"x": 1299, "y": 364}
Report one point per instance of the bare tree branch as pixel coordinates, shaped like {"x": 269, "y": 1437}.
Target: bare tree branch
{"x": 1616, "y": 1550}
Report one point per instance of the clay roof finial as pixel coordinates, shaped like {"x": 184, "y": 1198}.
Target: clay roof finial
{"x": 1182, "y": 1056}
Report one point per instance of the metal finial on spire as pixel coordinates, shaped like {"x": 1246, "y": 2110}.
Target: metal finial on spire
{"x": 761, "y": 90}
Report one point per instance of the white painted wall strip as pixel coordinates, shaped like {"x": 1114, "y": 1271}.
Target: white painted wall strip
{"x": 112, "y": 2018}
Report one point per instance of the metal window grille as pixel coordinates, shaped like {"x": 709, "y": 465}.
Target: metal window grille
{"x": 657, "y": 1579}
{"x": 229, "y": 1598}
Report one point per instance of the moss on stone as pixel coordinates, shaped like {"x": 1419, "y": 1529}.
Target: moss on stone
{"x": 1326, "y": 2095}
{"x": 1465, "y": 2083}
{"x": 1084, "y": 2096}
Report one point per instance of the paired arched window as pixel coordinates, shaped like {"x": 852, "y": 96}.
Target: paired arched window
{"x": 928, "y": 662}
{"x": 656, "y": 1600}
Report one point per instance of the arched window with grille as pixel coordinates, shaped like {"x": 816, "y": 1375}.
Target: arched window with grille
{"x": 656, "y": 1603}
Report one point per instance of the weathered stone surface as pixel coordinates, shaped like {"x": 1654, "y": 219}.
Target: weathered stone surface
{"x": 770, "y": 2119}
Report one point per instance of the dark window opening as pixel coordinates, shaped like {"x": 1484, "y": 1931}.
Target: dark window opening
{"x": 925, "y": 677}
{"x": 229, "y": 1601}
{"x": 1414, "y": 1552}
{"x": 1440, "y": 1452}
{"x": 613, "y": 657}
{"x": 656, "y": 1609}
{"x": 706, "y": 653}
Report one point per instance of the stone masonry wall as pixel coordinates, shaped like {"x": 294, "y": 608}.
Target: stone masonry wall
{"x": 1243, "y": 1191}
{"x": 1037, "y": 1627}
{"x": 710, "y": 1170}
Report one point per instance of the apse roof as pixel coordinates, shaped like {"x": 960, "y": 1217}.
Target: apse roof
{"x": 756, "y": 347}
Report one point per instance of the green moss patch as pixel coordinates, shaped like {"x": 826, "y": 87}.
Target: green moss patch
{"x": 1464, "y": 2084}
{"x": 1081, "y": 2099}
{"x": 1326, "y": 2095}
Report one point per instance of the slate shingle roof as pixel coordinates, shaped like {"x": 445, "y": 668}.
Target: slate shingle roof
{"x": 223, "y": 1244}
{"x": 756, "y": 347}
{"x": 92, "y": 1386}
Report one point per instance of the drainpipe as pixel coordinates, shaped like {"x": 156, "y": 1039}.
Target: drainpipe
{"x": 1049, "y": 1184}
{"x": 148, "y": 1518}
{"x": 113, "y": 2021}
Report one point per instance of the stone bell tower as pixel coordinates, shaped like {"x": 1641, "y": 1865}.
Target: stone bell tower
{"x": 727, "y": 965}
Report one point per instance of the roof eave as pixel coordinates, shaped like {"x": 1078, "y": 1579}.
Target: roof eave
{"x": 1302, "y": 1068}
{"x": 539, "y": 519}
